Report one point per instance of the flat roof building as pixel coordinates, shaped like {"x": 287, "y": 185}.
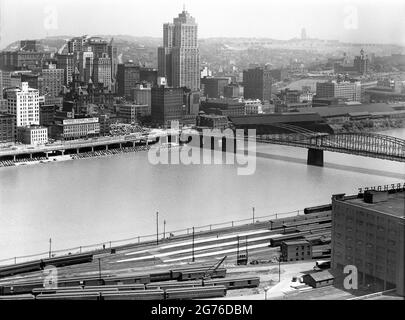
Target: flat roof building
{"x": 167, "y": 104}
{"x": 7, "y": 128}
{"x": 32, "y": 135}
{"x": 133, "y": 112}
{"x": 24, "y": 103}
{"x": 128, "y": 75}
{"x": 257, "y": 84}
{"x": 296, "y": 250}
{"x": 212, "y": 121}
{"x": 334, "y": 89}
{"x": 368, "y": 232}
{"x": 225, "y": 107}
{"x": 214, "y": 86}
{"x": 71, "y": 129}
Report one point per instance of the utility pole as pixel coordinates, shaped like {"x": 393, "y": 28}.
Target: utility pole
{"x": 253, "y": 214}
{"x": 50, "y": 247}
{"x": 157, "y": 228}
{"x": 192, "y": 248}
{"x": 164, "y": 229}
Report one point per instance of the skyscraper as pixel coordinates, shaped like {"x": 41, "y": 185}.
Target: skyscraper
{"x": 66, "y": 62}
{"x": 102, "y": 71}
{"x": 128, "y": 75}
{"x": 179, "y": 58}
{"x": 257, "y": 84}
{"x": 52, "y": 81}
{"x": 24, "y": 104}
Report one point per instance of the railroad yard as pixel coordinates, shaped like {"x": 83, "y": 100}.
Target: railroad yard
{"x": 184, "y": 267}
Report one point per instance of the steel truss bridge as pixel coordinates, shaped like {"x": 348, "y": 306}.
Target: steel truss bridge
{"x": 362, "y": 144}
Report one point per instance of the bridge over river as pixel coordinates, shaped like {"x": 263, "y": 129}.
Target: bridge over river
{"x": 362, "y": 144}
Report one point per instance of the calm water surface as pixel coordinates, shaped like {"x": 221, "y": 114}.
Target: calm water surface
{"x": 95, "y": 200}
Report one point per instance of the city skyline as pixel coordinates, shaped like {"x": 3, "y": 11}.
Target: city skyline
{"x": 264, "y": 162}
{"x": 347, "y": 21}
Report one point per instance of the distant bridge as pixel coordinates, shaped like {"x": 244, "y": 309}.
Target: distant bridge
{"x": 362, "y": 144}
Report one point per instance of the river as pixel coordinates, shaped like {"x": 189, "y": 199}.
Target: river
{"x": 100, "y": 199}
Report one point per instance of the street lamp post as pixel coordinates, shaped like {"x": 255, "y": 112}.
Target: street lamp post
{"x": 253, "y": 215}
{"x": 164, "y": 229}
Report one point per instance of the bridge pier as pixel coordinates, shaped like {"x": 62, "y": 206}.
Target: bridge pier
{"x": 201, "y": 141}
{"x": 106, "y": 147}
{"x": 315, "y": 157}
{"x": 63, "y": 152}
{"x": 30, "y": 155}
{"x": 92, "y": 149}
{"x": 77, "y": 150}
{"x": 14, "y": 157}
{"x": 223, "y": 144}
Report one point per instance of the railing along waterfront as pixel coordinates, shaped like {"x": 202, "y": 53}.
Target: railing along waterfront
{"x": 144, "y": 239}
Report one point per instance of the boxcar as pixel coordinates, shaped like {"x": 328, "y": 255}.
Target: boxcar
{"x": 195, "y": 293}
{"x": 134, "y": 295}
{"x": 235, "y": 283}
{"x": 18, "y": 297}
{"x": 70, "y": 296}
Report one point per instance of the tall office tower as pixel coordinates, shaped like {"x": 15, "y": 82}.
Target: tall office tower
{"x": 165, "y": 54}
{"x": 7, "y": 128}
{"x": 179, "y": 58}
{"x": 102, "y": 71}
{"x": 257, "y": 84}
{"x": 113, "y": 54}
{"x": 66, "y": 62}
{"x": 128, "y": 75}
{"x": 5, "y": 81}
{"x": 24, "y": 104}
{"x": 361, "y": 63}
{"x": 83, "y": 56}
{"x": 88, "y": 71}
{"x": 166, "y": 104}
{"x": 52, "y": 81}
{"x": 77, "y": 44}
{"x": 98, "y": 45}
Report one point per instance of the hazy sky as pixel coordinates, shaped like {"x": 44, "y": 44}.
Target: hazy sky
{"x": 379, "y": 21}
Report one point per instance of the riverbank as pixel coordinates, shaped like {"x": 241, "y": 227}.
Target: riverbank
{"x": 359, "y": 126}
{"x": 104, "y": 153}
{"x": 84, "y": 155}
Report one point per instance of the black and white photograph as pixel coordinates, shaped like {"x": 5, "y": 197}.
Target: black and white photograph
{"x": 216, "y": 153}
